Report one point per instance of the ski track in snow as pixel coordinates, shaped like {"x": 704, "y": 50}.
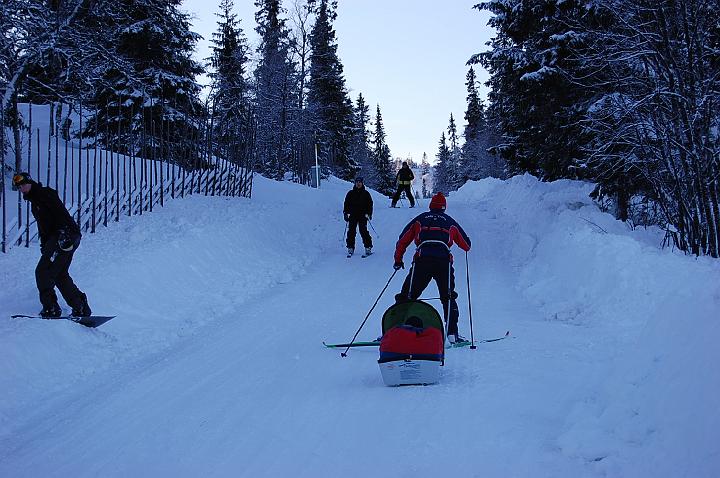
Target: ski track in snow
{"x": 241, "y": 385}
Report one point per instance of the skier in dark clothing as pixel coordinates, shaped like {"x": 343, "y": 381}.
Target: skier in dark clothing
{"x": 59, "y": 239}
{"x": 404, "y": 180}
{"x": 358, "y": 210}
{"x": 433, "y": 232}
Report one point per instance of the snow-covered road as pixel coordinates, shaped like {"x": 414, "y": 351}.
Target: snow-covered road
{"x": 233, "y": 380}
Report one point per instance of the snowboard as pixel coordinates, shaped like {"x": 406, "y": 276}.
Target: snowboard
{"x": 91, "y": 321}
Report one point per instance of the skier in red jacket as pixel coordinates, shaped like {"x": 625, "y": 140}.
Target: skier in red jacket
{"x": 433, "y": 232}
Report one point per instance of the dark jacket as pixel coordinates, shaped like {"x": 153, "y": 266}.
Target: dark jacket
{"x": 405, "y": 175}
{"x": 358, "y": 203}
{"x": 428, "y": 228}
{"x": 50, "y": 214}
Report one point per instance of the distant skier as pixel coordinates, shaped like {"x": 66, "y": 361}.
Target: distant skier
{"x": 433, "y": 232}
{"x": 404, "y": 180}
{"x": 358, "y": 210}
{"x": 59, "y": 239}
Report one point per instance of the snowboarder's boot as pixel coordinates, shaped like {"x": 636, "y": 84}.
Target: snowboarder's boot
{"x": 52, "y": 312}
{"x": 81, "y": 309}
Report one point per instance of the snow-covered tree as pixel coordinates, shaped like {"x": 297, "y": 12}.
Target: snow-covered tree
{"x": 360, "y": 146}
{"x": 426, "y": 177}
{"x": 275, "y": 91}
{"x": 537, "y": 108}
{"x": 328, "y": 102}
{"x": 654, "y": 123}
{"x": 229, "y": 61}
{"x": 381, "y": 158}
{"x": 454, "y": 165}
{"x": 159, "y": 89}
{"x": 477, "y": 162}
{"x": 441, "y": 173}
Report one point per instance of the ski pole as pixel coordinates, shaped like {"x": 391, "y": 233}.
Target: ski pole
{"x": 449, "y": 296}
{"x": 412, "y": 276}
{"x": 344, "y": 354}
{"x": 373, "y": 228}
{"x": 467, "y": 274}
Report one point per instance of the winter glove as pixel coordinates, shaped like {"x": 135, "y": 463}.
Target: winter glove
{"x": 347, "y": 217}
{"x": 399, "y": 265}
{"x": 65, "y": 242}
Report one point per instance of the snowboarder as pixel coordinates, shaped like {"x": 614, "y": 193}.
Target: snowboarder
{"x": 358, "y": 210}
{"x": 434, "y": 232}
{"x": 59, "y": 236}
{"x": 404, "y": 179}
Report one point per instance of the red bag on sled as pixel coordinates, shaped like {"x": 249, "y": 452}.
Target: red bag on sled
{"x": 412, "y": 346}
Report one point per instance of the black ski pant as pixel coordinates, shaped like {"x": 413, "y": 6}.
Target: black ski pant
{"x": 353, "y": 224}
{"x": 408, "y": 193}
{"x": 53, "y": 271}
{"x": 421, "y": 272}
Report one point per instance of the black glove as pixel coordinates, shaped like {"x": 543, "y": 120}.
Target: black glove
{"x": 399, "y": 265}
{"x": 347, "y": 217}
{"x": 66, "y": 241}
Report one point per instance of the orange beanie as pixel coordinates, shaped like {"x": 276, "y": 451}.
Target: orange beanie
{"x": 438, "y": 202}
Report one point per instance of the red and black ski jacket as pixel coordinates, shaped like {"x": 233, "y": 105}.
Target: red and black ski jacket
{"x": 434, "y": 232}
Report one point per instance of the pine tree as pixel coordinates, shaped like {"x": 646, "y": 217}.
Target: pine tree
{"x": 328, "y": 102}
{"x": 382, "y": 159}
{"x": 360, "y": 146}
{"x": 425, "y": 170}
{"x": 537, "y": 108}
{"x": 275, "y": 97}
{"x": 161, "y": 89}
{"x": 477, "y": 162}
{"x": 442, "y": 173}
{"x": 230, "y": 90}
{"x": 454, "y": 168}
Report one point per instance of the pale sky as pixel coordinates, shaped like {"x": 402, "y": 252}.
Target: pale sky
{"x": 407, "y": 55}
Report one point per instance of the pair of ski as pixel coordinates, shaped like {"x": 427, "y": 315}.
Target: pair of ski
{"x": 376, "y": 343}
{"x": 363, "y": 256}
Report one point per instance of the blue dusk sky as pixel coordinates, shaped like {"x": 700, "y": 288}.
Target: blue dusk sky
{"x": 408, "y": 56}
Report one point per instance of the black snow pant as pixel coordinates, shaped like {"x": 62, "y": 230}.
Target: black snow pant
{"x": 53, "y": 271}
{"x": 353, "y": 224}
{"x": 408, "y": 193}
{"x": 424, "y": 269}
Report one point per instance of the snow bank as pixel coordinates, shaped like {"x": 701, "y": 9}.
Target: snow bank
{"x": 657, "y": 414}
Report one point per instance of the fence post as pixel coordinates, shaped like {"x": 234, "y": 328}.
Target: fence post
{"x": 3, "y": 197}
{"x": 79, "y": 184}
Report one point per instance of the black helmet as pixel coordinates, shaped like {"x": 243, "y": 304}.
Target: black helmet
{"x": 21, "y": 178}
{"x": 359, "y": 179}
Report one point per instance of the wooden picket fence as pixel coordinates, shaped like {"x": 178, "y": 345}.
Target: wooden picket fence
{"x": 100, "y": 186}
